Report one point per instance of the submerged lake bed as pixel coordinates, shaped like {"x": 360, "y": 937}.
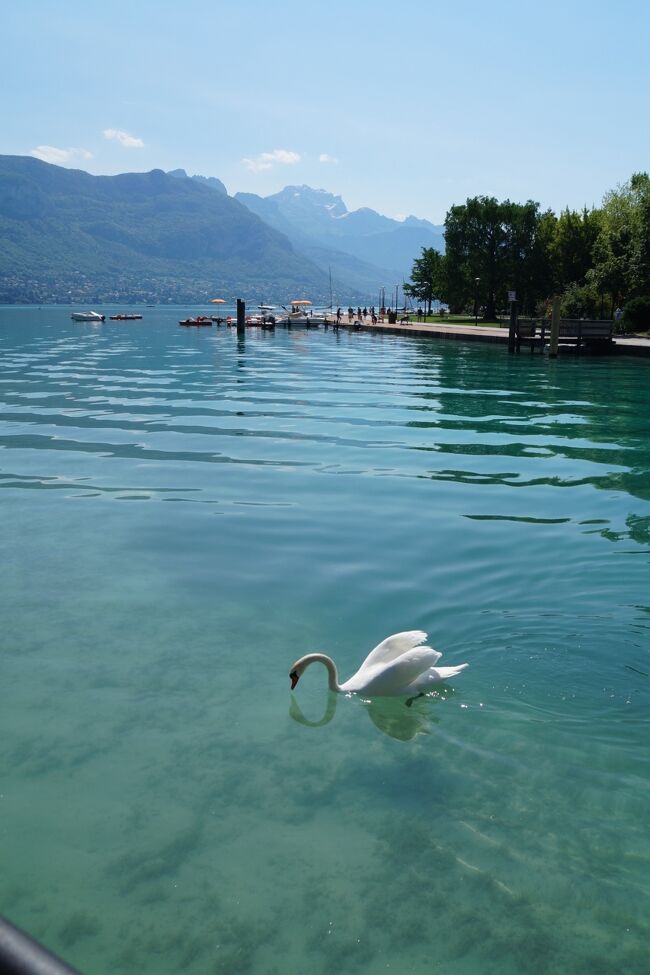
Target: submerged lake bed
{"x": 185, "y": 513}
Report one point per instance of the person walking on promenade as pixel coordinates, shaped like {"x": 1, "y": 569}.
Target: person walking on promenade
{"x": 338, "y": 316}
{"x": 350, "y": 314}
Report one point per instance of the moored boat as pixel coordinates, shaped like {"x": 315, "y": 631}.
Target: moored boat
{"x": 267, "y": 315}
{"x": 251, "y": 321}
{"x": 199, "y": 320}
{"x": 87, "y": 316}
{"x": 125, "y": 318}
{"x": 300, "y": 315}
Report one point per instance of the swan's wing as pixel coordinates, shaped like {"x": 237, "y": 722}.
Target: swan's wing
{"x": 394, "y": 646}
{"x": 396, "y": 675}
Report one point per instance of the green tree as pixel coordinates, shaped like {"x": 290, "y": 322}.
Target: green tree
{"x": 428, "y": 279}
{"x": 501, "y": 245}
{"x": 581, "y": 300}
{"x": 622, "y": 248}
{"x": 572, "y": 246}
{"x": 637, "y": 313}
{"x": 527, "y": 261}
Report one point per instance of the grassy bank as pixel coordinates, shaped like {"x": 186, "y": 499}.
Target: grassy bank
{"x": 457, "y": 320}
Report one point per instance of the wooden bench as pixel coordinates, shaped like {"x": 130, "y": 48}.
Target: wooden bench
{"x": 578, "y": 333}
{"x": 529, "y": 333}
{"x": 585, "y": 334}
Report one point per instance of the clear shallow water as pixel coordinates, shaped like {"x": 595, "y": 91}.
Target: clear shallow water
{"x": 183, "y": 514}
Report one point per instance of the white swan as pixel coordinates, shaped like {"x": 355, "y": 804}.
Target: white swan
{"x": 398, "y": 667}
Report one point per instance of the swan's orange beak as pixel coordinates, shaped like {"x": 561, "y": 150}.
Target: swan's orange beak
{"x": 295, "y": 676}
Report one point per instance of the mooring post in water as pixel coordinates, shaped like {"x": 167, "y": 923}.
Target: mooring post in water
{"x": 512, "y": 331}
{"x": 555, "y": 328}
{"x": 241, "y": 317}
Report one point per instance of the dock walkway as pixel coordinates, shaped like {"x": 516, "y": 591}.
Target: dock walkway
{"x": 627, "y": 345}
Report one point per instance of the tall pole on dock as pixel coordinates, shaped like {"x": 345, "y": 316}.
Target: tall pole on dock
{"x": 241, "y": 317}
{"x": 512, "y": 331}
{"x": 555, "y": 328}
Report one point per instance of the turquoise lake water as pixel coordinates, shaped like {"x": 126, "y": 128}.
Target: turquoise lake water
{"x": 184, "y": 514}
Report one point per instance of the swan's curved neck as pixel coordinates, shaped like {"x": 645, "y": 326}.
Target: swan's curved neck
{"x": 330, "y": 666}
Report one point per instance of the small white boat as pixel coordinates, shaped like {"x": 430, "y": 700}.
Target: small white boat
{"x": 267, "y": 318}
{"x": 300, "y": 315}
{"x": 323, "y": 317}
{"x": 87, "y": 316}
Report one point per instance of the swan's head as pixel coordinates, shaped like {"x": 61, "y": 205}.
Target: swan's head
{"x": 302, "y": 663}
{"x": 295, "y": 674}
{"x": 297, "y": 670}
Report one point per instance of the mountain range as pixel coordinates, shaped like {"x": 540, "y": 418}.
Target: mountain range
{"x": 70, "y": 236}
{"x": 364, "y": 249}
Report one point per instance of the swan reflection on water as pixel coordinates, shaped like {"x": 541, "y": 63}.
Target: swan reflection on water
{"x": 390, "y": 715}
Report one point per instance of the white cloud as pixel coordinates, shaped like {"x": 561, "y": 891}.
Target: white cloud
{"x": 266, "y": 160}
{"x": 326, "y": 158}
{"x": 58, "y": 157}
{"x": 124, "y": 139}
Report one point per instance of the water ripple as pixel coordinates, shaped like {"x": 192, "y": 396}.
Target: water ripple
{"x": 326, "y": 489}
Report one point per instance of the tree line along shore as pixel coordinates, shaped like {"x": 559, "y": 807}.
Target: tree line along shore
{"x": 597, "y": 260}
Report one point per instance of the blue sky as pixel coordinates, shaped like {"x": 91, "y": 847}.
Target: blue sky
{"x": 404, "y": 107}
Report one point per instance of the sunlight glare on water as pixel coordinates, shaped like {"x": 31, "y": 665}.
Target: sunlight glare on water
{"x": 184, "y": 513}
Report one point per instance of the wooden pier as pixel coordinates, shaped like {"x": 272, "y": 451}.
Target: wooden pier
{"x": 627, "y": 345}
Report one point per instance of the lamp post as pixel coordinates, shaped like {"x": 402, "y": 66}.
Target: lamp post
{"x": 477, "y": 281}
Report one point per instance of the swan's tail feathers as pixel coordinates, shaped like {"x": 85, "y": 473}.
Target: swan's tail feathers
{"x": 446, "y": 672}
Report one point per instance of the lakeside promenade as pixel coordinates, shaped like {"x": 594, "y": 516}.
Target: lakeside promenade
{"x": 627, "y": 345}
